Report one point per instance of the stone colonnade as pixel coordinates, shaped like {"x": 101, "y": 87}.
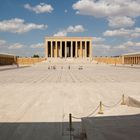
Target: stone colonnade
{"x": 131, "y": 59}
{"x": 68, "y": 47}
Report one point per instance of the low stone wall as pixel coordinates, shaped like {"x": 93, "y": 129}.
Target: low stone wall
{"x": 109, "y": 60}
{"x": 29, "y": 61}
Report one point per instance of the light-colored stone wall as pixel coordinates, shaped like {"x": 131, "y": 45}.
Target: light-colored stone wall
{"x": 109, "y": 60}
{"x": 29, "y": 61}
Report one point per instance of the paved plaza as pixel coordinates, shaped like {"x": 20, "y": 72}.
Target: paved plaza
{"x": 38, "y": 99}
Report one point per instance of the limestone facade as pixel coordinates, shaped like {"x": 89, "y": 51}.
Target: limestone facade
{"x": 7, "y": 59}
{"x": 131, "y": 58}
{"x": 68, "y": 47}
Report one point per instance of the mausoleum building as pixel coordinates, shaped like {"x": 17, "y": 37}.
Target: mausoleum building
{"x": 68, "y": 47}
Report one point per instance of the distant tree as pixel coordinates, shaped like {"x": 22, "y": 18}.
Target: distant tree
{"x": 35, "y": 56}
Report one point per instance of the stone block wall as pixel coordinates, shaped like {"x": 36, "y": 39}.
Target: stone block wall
{"x": 29, "y": 61}
{"x": 108, "y": 60}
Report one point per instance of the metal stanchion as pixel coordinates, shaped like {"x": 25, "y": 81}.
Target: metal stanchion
{"x": 70, "y": 126}
{"x": 100, "y": 108}
{"x": 123, "y": 100}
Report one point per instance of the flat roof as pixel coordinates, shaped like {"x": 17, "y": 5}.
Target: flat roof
{"x": 64, "y": 37}
{"x": 135, "y": 53}
{"x": 7, "y": 54}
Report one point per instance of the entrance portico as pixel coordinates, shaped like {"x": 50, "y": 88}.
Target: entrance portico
{"x": 68, "y": 47}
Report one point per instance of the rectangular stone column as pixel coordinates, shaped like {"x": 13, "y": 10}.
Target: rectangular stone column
{"x": 123, "y": 60}
{"x": 81, "y": 53}
{"x": 65, "y": 49}
{"x": 56, "y": 49}
{"x": 76, "y": 49}
{"x": 133, "y": 60}
{"x": 71, "y": 49}
{"x": 90, "y": 49}
{"x": 85, "y": 49}
{"x": 51, "y": 49}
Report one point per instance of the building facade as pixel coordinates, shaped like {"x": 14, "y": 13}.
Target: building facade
{"x": 7, "y": 59}
{"x": 131, "y": 58}
{"x": 68, "y": 47}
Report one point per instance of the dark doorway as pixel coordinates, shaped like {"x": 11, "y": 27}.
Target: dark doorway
{"x": 63, "y": 49}
{"x": 58, "y": 49}
{"x": 74, "y": 44}
{"x": 49, "y": 49}
{"x": 78, "y": 49}
{"x": 88, "y": 49}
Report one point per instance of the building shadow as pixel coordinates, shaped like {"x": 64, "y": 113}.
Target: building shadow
{"x": 112, "y": 127}
{"x": 98, "y": 128}
{"x": 35, "y": 130}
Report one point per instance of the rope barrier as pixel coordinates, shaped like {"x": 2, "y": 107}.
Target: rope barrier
{"x": 93, "y": 111}
{"x": 79, "y": 118}
{"x": 100, "y": 107}
{"x": 114, "y": 105}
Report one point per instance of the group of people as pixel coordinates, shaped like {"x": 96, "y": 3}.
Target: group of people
{"x": 52, "y": 67}
{"x": 80, "y": 67}
{"x": 69, "y": 67}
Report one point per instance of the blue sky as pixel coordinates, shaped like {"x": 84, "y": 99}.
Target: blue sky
{"x": 113, "y": 24}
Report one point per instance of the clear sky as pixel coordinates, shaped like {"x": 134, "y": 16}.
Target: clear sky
{"x": 113, "y": 24}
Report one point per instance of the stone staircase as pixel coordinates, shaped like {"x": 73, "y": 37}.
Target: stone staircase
{"x": 68, "y": 61}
